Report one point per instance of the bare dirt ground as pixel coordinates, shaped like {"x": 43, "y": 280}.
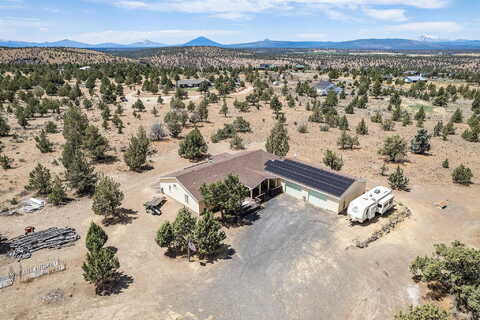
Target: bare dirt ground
{"x": 297, "y": 271}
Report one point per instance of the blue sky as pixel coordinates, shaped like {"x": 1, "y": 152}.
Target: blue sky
{"x": 234, "y": 21}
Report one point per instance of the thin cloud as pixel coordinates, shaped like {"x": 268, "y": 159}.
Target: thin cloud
{"x": 427, "y": 27}
{"x": 396, "y": 15}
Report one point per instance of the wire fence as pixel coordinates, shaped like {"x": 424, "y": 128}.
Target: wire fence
{"x": 27, "y": 274}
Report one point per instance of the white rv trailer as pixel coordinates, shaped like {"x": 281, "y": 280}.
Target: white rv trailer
{"x": 378, "y": 200}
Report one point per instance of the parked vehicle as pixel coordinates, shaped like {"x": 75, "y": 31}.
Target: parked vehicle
{"x": 376, "y": 201}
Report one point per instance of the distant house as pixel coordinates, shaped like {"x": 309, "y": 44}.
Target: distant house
{"x": 85, "y": 68}
{"x": 323, "y": 87}
{"x": 299, "y": 67}
{"x": 191, "y": 83}
{"x": 263, "y": 174}
{"x": 265, "y": 66}
{"x": 414, "y": 79}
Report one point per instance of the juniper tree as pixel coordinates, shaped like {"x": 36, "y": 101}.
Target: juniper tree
{"x": 57, "y": 195}
{"x": 420, "y": 115}
{"x": 332, "y": 160}
{"x": 80, "y": 174}
{"x": 183, "y": 228}
{"x": 107, "y": 197}
{"x": 40, "y": 180}
{"x": 157, "y": 132}
{"x": 236, "y": 143}
{"x": 376, "y": 117}
{"x": 276, "y": 106}
{"x": 208, "y": 235}
{"x": 51, "y": 127}
{"x": 462, "y": 175}
{"x": 421, "y": 142}
{"x": 193, "y": 147}
{"x": 4, "y": 127}
{"x": 224, "y": 109}
{"x": 277, "y": 142}
{"x": 362, "y": 128}
{"x": 437, "y": 130}
{"x": 138, "y": 106}
{"x": 5, "y": 162}
{"x": 445, "y": 164}
{"x": 42, "y": 143}
{"x": 397, "y": 180}
{"x": 343, "y": 123}
{"x": 95, "y": 143}
{"x": 174, "y": 127}
{"x": 101, "y": 268}
{"x": 422, "y": 312}
{"x": 75, "y": 124}
{"x": 136, "y": 155}
{"x": 394, "y": 147}
{"x": 457, "y": 116}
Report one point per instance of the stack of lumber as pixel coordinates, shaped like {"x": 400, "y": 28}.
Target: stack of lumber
{"x": 22, "y": 247}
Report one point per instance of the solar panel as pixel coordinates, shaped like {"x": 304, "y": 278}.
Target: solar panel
{"x": 335, "y": 178}
{"x": 310, "y": 176}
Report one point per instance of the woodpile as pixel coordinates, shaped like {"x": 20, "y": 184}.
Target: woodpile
{"x": 22, "y": 247}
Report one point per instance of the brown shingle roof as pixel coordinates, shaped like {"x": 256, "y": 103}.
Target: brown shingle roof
{"x": 249, "y": 166}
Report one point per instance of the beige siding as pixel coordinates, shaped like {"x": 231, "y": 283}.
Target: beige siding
{"x": 355, "y": 190}
{"x": 327, "y": 202}
{"x": 176, "y": 191}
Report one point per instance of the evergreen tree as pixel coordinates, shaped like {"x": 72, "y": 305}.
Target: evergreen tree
{"x": 332, "y": 99}
{"x": 203, "y": 111}
{"x": 5, "y": 162}
{"x": 332, "y": 160}
{"x": 75, "y": 124}
{"x": 95, "y": 143}
{"x": 394, "y": 147}
{"x": 224, "y": 109}
{"x": 208, "y": 235}
{"x": 96, "y": 237}
{"x": 136, "y": 155}
{"x": 183, "y": 228}
{"x": 420, "y": 115}
{"x": 165, "y": 235}
{"x": 107, "y": 197}
{"x": 4, "y": 127}
{"x": 362, "y": 128}
{"x": 40, "y": 180}
{"x": 138, "y": 106}
{"x": 42, "y": 143}
{"x": 343, "y": 123}
{"x": 377, "y": 88}
{"x": 276, "y": 106}
{"x": 462, "y": 175}
{"x": 437, "y": 130}
{"x": 277, "y": 142}
{"x": 422, "y": 312}
{"x": 445, "y": 164}
{"x": 397, "y": 180}
{"x": 101, "y": 268}
{"x": 236, "y": 143}
{"x": 457, "y": 116}
{"x": 421, "y": 142}
{"x": 57, "y": 193}
{"x": 80, "y": 174}
{"x": 193, "y": 147}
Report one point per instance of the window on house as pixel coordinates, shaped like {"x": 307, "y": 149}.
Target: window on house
{"x": 170, "y": 188}
{"x": 186, "y": 198}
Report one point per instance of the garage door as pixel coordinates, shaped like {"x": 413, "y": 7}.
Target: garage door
{"x": 317, "y": 199}
{"x": 293, "y": 190}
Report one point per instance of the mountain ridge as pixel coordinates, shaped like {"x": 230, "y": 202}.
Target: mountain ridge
{"x": 359, "y": 44}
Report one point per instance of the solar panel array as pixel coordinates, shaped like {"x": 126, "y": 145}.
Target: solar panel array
{"x": 309, "y": 176}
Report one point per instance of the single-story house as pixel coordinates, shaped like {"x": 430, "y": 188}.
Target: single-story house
{"x": 414, "y": 79}
{"x": 323, "y": 87}
{"x": 191, "y": 83}
{"x": 263, "y": 173}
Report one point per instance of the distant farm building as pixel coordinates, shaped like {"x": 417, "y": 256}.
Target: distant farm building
{"x": 264, "y": 174}
{"x": 323, "y": 87}
{"x": 191, "y": 83}
{"x": 414, "y": 79}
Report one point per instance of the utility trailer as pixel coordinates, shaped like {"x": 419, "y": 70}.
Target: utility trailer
{"x": 376, "y": 201}
{"x": 153, "y": 206}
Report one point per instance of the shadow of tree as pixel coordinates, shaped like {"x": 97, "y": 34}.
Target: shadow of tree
{"x": 116, "y": 286}
{"x": 437, "y": 292}
{"x": 123, "y": 216}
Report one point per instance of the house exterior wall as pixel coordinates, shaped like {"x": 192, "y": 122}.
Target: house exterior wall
{"x": 173, "y": 189}
{"x": 315, "y": 198}
{"x": 355, "y": 191}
